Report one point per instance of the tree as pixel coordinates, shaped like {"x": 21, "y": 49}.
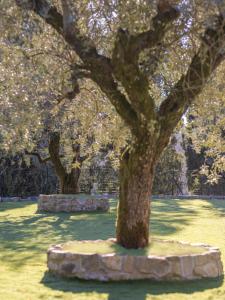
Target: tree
{"x": 65, "y": 138}
{"x": 69, "y": 180}
{"x": 122, "y": 75}
{"x": 54, "y": 126}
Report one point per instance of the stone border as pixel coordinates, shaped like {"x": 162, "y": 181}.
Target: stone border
{"x": 71, "y": 203}
{"x": 113, "y": 267}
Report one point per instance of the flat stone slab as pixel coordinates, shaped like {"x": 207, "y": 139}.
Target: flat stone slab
{"x": 71, "y": 203}
{"x": 118, "y": 266}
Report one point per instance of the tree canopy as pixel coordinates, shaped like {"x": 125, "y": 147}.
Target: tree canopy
{"x": 151, "y": 59}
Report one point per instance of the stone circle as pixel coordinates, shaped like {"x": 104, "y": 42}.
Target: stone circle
{"x": 71, "y": 203}
{"x": 113, "y": 266}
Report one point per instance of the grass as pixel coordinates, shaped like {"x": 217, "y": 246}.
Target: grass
{"x": 157, "y": 247}
{"x": 25, "y": 236}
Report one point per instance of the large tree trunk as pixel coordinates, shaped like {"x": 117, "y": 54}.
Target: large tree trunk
{"x": 69, "y": 184}
{"x": 136, "y": 177}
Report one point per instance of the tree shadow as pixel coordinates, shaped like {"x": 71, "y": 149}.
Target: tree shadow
{"x": 218, "y": 206}
{"x": 169, "y": 216}
{"x": 25, "y": 238}
{"x": 132, "y": 290}
{"x": 27, "y": 235}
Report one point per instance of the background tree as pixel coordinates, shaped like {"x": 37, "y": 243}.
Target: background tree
{"x": 206, "y": 129}
{"x": 62, "y": 136}
{"x": 38, "y": 105}
{"x": 167, "y": 179}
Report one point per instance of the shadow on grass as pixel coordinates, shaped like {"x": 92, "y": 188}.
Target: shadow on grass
{"x": 134, "y": 290}
{"x": 169, "y": 216}
{"x": 27, "y": 235}
{"x": 25, "y": 238}
{"x": 218, "y": 206}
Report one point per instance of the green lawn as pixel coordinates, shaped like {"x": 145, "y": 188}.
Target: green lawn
{"x": 156, "y": 247}
{"x": 25, "y": 236}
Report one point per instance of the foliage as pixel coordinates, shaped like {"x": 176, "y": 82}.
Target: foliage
{"x": 37, "y": 97}
{"x": 197, "y": 182}
{"x": 206, "y": 128}
{"x": 167, "y": 174}
{"x": 39, "y": 69}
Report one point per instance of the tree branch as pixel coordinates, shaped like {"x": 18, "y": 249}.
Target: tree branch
{"x": 99, "y": 65}
{"x": 65, "y": 25}
{"x": 126, "y": 70}
{"x": 160, "y": 25}
{"x": 126, "y": 66}
{"x": 45, "y": 11}
{"x": 83, "y": 45}
{"x": 210, "y": 54}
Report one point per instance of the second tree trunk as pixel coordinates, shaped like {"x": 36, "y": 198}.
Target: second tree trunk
{"x": 69, "y": 184}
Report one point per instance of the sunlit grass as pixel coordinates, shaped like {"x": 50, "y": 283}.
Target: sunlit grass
{"x": 25, "y": 236}
{"x": 156, "y": 247}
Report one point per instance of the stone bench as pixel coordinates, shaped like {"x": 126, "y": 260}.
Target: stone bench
{"x": 71, "y": 203}
{"x": 114, "y": 266}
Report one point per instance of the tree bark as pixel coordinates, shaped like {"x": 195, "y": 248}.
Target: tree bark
{"x": 136, "y": 177}
{"x": 69, "y": 184}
